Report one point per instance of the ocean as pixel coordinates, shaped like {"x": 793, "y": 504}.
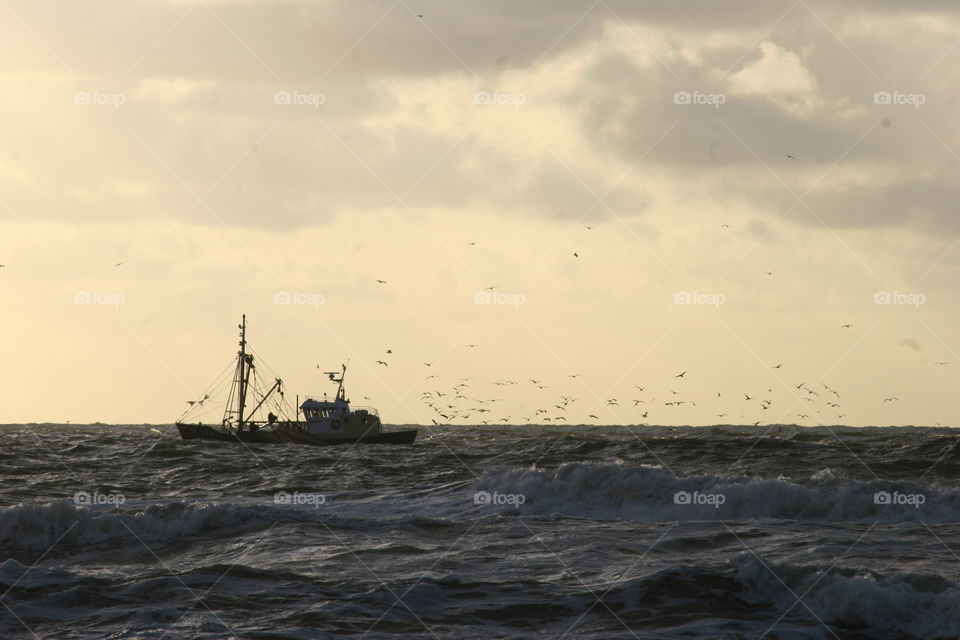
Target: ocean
{"x": 483, "y": 532}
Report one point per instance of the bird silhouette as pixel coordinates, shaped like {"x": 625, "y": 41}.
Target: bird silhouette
{"x": 680, "y": 375}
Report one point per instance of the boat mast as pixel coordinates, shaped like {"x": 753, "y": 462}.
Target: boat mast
{"x": 242, "y": 380}
{"x": 343, "y": 374}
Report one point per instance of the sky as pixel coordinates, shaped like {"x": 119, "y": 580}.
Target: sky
{"x": 616, "y": 191}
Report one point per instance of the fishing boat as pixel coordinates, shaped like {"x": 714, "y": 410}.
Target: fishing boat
{"x": 253, "y": 412}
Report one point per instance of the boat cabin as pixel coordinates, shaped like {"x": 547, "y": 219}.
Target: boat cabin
{"x": 335, "y": 417}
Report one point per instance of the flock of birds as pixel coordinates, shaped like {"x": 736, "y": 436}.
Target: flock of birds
{"x": 469, "y": 401}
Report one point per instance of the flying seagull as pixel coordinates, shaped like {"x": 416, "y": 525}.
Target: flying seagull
{"x": 381, "y": 362}
{"x": 680, "y": 375}
{"x": 381, "y": 282}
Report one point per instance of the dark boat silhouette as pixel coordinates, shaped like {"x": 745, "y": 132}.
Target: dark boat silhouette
{"x": 326, "y": 422}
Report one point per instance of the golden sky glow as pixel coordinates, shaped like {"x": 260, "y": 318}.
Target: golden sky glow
{"x": 168, "y": 166}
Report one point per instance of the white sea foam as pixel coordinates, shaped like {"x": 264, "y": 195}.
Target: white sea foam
{"x": 615, "y": 491}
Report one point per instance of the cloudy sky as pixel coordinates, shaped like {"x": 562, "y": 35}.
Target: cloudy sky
{"x": 754, "y": 176}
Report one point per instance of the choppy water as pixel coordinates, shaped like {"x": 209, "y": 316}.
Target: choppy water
{"x": 483, "y": 532}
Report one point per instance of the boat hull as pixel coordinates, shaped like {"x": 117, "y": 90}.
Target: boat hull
{"x": 290, "y": 434}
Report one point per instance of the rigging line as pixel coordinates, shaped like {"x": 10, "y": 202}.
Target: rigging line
{"x": 220, "y": 375}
